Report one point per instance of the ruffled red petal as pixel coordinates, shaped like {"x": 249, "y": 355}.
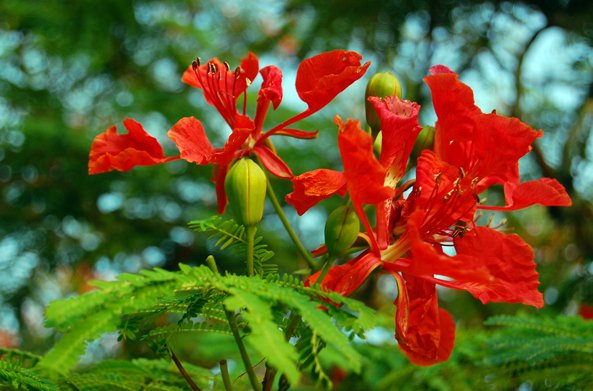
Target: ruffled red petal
{"x": 189, "y": 136}
{"x": 320, "y": 78}
{"x": 113, "y": 151}
{"x": 314, "y": 186}
{"x": 490, "y": 265}
{"x": 345, "y": 279}
{"x": 364, "y": 174}
{"x": 465, "y": 137}
{"x": 510, "y": 262}
{"x": 544, "y": 191}
{"x": 425, "y": 332}
{"x": 399, "y": 128}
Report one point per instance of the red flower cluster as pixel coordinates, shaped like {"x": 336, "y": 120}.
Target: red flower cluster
{"x": 319, "y": 80}
{"x": 472, "y": 151}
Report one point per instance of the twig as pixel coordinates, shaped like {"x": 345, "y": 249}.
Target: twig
{"x": 244, "y": 356}
{"x": 183, "y": 372}
{"x": 226, "y": 379}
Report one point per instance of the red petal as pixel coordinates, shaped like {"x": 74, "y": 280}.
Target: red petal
{"x": 189, "y": 136}
{"x": 344, "y": 279}
{"x": 322, "y": 77}
{"x": 273, "y": 162}
{"x": 425, "y": 333}
{"x": 510, "y": 262}
{"x": 399, "y": 128}
{"x": 544, "y": 191}
{"x": 445, "y": 196}
{"x": 250, "y": 66}
{"x": 490, "y": 265}
{"x": 314, "y": 186}
{"x": 243, "y": 129}
{"x": 365, "y": 176}
{"x": 122, "y": 152}
{"x": 435, "y": 69}
{"x": 465, "y": 136}
{"x": 302, "y": 134}
{"x": 218, "y": 176}
{"x": 271, "y": 88}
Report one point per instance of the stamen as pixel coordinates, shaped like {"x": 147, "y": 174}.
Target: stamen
{"x": 461, "y": 172}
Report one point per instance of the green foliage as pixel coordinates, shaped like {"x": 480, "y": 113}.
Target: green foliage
{"x": 140, "y": 374}
{"x": 546, "y": 351}
{"x": 202, "y": 297}
{"x": 230, "y": 236}
{"x": 13, "y": 375}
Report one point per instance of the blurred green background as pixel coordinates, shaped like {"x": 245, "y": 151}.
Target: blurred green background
{"x": 71, "y": 69}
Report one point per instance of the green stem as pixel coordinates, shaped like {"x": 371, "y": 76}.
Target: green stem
{"x": 244, "y": 356}
{"x": 295, "y": 239}
{"x": 251, "y": 230}
{"x": 226, "y": 379}
{"x": 184, "y": 373}
{"x": 326, "y": 267}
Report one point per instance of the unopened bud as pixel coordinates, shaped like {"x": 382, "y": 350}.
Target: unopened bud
{"x": 425, "y": 140}
{"x": 341, "y": 230}
{"x": 245, "y": 186}
{"x": 382, "y": 84}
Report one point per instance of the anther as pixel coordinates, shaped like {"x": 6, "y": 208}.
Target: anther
{"x": 461, "y": 172}
{"x": 237, "y": 72}
{"x": 448, "y": 195}
{"x": 226, "y": 65}
{"x": 195, "y": 64}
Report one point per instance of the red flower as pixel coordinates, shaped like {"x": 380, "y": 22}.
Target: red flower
{"x": 319, "y": 80}
{"x": 472, "y": 151}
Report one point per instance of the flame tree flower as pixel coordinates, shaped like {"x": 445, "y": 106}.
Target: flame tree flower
{"x": 472, "y": 152}
{"x": 319, "y": 80}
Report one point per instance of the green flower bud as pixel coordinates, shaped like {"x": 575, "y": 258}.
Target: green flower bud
{"x": 425, "y": 140}
{"x": 381, "y": 84}
{"x": 341, "y": 230}
{"x": 245, "y": 186}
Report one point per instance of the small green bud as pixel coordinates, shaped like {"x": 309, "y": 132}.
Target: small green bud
{"x": 425, "y": 140}
{"x": 382, "y": 84}
{"x": 245, "y": 186}
{"x": 341, "y": 230}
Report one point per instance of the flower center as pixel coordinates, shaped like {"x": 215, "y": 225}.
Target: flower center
{"x": 222, "y": 87}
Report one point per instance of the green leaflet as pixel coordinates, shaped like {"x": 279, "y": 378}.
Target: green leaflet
{"x": 137, "y": 375}
{"x": 552, "y": 351}
{"x": 228, "y": 235}
{"x": 17, "y": 377}
{"x": 265, "y": 336}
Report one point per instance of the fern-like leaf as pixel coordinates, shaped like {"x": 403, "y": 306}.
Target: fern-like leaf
{"x": 16, "y": 377}
{"x": 543, "y": 350}
{"x": 228, "y": 235}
